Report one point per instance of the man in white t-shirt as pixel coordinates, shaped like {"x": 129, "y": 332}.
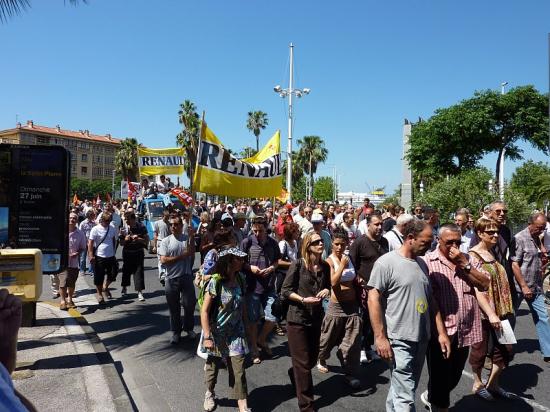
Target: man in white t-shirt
{"x": 395, "y": 235}
{"x": 101, "y": 252}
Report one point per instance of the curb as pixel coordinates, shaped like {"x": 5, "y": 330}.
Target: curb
{"x": 120, "y": 396}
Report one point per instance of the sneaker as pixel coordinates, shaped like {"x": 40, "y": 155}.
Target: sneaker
{"x": 425, "y": 401}
{"x": 123, "y": 291}
{"x": 364, "y": 358}
{"x": 175, "y": 339}
{"x": 191, "y": 334}
{"x": 209, "y": 401}
{"x": 140, "y": 297}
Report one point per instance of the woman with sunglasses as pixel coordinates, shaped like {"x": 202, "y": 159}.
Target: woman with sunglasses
{"x": 306, "y": 284}
{"x": 496, "y": 306}
{"x": 342, "y": 325}
{"x": 222, "y": 319}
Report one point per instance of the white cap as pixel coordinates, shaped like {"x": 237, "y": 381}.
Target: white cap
{"x": 317, "y": 218}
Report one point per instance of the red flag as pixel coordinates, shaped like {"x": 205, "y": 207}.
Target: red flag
{"x": 183, "y": 196}
{"x": 75, "y": 200}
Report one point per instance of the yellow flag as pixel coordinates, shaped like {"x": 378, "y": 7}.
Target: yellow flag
{"x": 160, "y": 161}
{"x": 219, "y": 172}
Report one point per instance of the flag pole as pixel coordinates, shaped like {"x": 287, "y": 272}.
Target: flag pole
{"x": 195, "y": 170}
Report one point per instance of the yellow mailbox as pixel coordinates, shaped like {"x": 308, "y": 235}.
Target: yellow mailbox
{"x": 21, "y": 273}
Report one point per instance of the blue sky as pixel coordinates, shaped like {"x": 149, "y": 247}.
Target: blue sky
{"x": 124, "y": 67}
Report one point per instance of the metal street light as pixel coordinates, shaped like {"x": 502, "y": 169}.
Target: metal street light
{"x": 291, "y": 91}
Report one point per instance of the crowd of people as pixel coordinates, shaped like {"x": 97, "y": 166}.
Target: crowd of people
{"x": 376, "y": 284}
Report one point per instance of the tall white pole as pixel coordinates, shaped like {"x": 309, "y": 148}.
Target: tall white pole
{"x": 501, "y": 161}
{"x": 289, "y": 149}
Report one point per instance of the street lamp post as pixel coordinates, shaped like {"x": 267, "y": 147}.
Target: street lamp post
{"x": 290, "y": 92}
{"x": 501, "y": 161}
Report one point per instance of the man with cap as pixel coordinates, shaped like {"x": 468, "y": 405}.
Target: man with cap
{"x": 239, "y": 220}
{"x": 318, "y": 227}
{"x": 228, "y": 212}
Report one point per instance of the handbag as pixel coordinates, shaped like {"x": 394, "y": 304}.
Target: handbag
{"x": 279, "y": 307}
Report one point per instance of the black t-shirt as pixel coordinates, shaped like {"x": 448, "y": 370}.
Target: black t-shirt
{"x": 364, "y": 252}
{"x": 135, "y": 245}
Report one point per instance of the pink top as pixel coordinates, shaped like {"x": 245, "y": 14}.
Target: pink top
{"x": 77, "y": 243}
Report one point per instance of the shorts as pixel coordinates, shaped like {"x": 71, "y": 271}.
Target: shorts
{"x": 259, "y": 306}
{"x": 67, "y": 279}
{"x": 105, "y": 267}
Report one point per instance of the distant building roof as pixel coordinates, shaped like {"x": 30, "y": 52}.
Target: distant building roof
{"x": 81, "y": 134}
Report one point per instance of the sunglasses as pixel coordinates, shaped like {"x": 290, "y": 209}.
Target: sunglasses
{"x": 453, "y": 242}
{"x": 316, "y": 242}
{"x": 491, "y": 232}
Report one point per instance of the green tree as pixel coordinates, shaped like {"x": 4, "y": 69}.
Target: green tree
{"x": 324, "y": 188}
{"x": 188, "y": 138}
{"x": 299, "y": 189}
{"x": 297, "y": 169}
{"x": 526, "y": 180}
{"x": 89, "y": 189}
{"x": 126, "y": 159}
{"x": 311, "y": 152}
{"x": 256, "y": 122}
{"x": 246, "y": 152}
{"x": 454, "y": 139}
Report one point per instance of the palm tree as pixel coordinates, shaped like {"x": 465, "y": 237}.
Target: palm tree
{"x": 188, "y": 138}
{"x": 10, "y": 8}
{"x": 126, "y": 159}
{"x": 256, "y": 122}
{"x": 542, "y": 187}
{"x": 312, "y": 152}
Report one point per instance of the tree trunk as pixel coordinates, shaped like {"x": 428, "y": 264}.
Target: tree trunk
{"x": 497, "y": 171}
{"x": 257, "y": 143}
{"x": 310, "y": 179}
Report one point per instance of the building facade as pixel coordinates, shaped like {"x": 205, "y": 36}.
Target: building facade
{"x": 92, "y": 156}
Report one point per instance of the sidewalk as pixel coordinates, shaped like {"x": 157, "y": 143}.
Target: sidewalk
{"x": 62, "y": 364}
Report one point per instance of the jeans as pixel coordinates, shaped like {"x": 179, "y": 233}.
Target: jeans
{"x": 181, "y": 288}
{"x": 540, "y": 318}
{"x": 405, "y": 371}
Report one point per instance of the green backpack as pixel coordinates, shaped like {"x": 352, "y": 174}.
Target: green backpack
{"x": 216, "y": 303}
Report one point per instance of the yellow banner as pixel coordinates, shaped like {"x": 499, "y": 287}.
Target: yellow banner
{"x": 219, "y": 172}
{"x": 160, "y": 161}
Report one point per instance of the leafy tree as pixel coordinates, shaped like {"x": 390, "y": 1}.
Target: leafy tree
{"x": 297, "y": 169}
{"x": 299, "y": 189}
{"x": 528, "y": 179}
{"x": 311, "y": 152}
{"x": 246, "y": 152}
{"x": 518, "y": 209}
{"x": 324, "y": 188}
{"x": 454, "y": 139}
{"x": 126, "y": 159}
{"x": 89, "y": 189}
{"x": 256, "y": 122}
{"x": 541, "y": 192}
{"x": 188, "y": 138}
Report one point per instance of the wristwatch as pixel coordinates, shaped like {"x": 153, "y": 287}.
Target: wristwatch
{"x": 467, "y": 267}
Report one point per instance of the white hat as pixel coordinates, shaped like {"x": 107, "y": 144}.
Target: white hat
{"x": 229, "y": 205}
{"x": 317, "y": 218}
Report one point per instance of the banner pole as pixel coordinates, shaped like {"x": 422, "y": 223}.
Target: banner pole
{"x": 195, "y": 170}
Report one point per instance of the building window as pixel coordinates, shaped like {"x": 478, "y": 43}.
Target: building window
{"x": 97, "y": 172}
{"x": 97, "y": 149}
{"x": 84, "y": 157}
{"x": 109, "y": 150}
{"x": 42, "y": 140}
{"x": 108, "y": 172}
{"x": 84, "y": 170}
{"x": 97, "y": 159}
{"x": 109, "y": 160}
{"x": 73, "y": 168}
{"x": 84, "y": 145}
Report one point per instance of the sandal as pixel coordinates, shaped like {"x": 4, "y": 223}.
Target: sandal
{"x": 63, "y": 306}
{"x": 503, "y": 394}
{"x": 279, "y": 331}
{"x": 107, "y": 293}
{"x": 484, "y": 394}
{"x": 100, "y": 299}
{"x": 71, "y": 304}
{"x": 255, "y": 358}
{"x": 322, "y": 368}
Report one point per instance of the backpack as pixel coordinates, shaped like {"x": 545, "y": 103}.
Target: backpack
{"x": 216, "y": 301}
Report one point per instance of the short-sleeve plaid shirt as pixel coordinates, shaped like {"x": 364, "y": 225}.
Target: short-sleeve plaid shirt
{"x": 456, "y": 297}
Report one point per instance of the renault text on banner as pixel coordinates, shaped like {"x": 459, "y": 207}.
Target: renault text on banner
{"x": 219, "y": 172}
{"x": 160, "y": 161}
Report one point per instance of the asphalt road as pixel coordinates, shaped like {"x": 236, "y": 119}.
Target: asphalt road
{"x": 164, "y": 377}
